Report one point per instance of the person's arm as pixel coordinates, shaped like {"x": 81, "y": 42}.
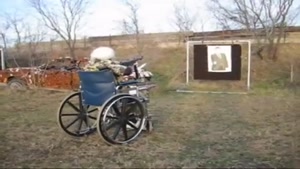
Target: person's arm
{"x": 116, "y": 68}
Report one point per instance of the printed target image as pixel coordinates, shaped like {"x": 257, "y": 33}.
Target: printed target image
{"x": 219, "y": 58}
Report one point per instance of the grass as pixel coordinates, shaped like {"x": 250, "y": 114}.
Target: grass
{"x": 260, "y": 129}
{"x": 257, "y": 130}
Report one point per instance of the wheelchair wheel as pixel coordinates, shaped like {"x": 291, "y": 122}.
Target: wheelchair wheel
{"x": 121, "y": 120}
{"x": 77, "y": 119}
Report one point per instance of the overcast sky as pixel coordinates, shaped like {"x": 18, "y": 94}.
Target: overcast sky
{"x": 155, "y": 15}
{"x": 105, "y": 15}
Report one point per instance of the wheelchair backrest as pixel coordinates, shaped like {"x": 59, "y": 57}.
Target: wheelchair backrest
{"x": 97, "y": 86}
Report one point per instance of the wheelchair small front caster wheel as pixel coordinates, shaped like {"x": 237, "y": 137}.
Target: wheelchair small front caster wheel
{"x": 149, "y": 126}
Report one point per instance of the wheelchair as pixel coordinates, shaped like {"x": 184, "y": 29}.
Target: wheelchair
{"x": 116, "y": 110}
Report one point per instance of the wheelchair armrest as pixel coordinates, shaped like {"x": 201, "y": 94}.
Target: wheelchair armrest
{"x": 131, "y": 62}
{"x": 131, "y": 82}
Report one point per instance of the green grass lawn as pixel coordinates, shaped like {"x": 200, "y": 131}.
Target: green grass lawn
{"x": 203, "y": 130}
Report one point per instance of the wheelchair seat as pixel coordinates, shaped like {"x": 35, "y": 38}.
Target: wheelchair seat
{"x": 97, "y": 86}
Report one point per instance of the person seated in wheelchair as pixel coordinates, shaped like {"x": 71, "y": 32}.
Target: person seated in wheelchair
{"x": 104, "y": 57}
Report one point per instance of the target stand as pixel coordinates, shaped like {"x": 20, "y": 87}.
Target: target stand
{"x": 221, "y": 66}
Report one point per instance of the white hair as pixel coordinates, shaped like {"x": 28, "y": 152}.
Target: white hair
{"x": 102, "y": 53}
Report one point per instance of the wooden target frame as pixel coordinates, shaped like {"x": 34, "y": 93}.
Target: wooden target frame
{"x": 190, "y": 43}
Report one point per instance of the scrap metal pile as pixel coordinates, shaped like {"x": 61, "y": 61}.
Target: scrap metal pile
{"x": 64, "y": 64}
{"x": 62, "y": 73}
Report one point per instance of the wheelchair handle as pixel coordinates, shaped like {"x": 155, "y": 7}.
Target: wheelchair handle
{"x": 136, "y": 72}
{"x": 131, "y": 62}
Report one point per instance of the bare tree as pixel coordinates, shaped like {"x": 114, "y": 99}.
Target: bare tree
{"x": 4, "y": 27}
{"x": 17, "y": 25}
{"x": 64, "y": 19}
{"x": 265, "y": 20}
{"x": 33, "y": 40}
{"x": 131, "y": 24}
{"x": 183, "y": 19}
{"x": 25, "y": 38}
{"x": 16, "y": 30}
{"x": 26, "y": 50}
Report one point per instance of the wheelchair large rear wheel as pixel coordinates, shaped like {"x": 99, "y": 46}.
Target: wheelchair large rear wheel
{"x": 77, "y": 119}
{"x": 121, "y": 120}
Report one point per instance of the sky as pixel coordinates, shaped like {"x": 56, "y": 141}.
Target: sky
{"x": 155, "y": 15}
{"x": 104, "y": 16}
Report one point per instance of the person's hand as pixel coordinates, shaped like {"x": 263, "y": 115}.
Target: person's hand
{"x": 132, "y": 75}
{"x": 125, "y": 78}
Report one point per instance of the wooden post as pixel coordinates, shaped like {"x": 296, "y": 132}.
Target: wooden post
{"x": 292, "y": 73}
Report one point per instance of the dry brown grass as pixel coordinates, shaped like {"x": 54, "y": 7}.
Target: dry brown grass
{"x": 256, "y": 130}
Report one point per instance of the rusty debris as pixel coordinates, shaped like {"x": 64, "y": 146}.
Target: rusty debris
{"x": 58, "y": 74}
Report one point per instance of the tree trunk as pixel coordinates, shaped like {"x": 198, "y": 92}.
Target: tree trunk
{"x": 139, "y": 46}
{"x": 276, "y": 46}
{"x": 4, "y": 41}
{"x": 71, "y": 46}
{"x": 72, "y": 52}
{"x": 272, "y": 50}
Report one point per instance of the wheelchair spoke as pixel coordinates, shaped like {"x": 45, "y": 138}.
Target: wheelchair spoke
{"x": 131, "y": 125}
{"x": 116, "y": 110}
{"x": 111, "y": 117}
{"x": 124, "y": 106}
{"x": 72, "y": 122}
{"x": 69, "y": 114}
{"x": 93, "y": 110}
{"x": 133, "y": 117}
{"x": 92, "y": 117}
{"x": 117, "y": 131}
{"x": 85, "y": 120}
{"x": 79, "y": 113}
{"x": 125, "y": 131}
{"x": 131, "y": 108}
{"x": 80, "y": 125}
{"x": 127, "y": 119}
{"x": 80, "y": 102}
{"x": 73, "y": 106}
{"x": 113, "y": 124}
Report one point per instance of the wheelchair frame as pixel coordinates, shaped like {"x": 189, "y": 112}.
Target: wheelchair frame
{"x": 100, "y": 90}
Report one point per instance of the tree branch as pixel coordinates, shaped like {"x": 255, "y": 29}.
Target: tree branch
{"x": 64, "y": 20}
